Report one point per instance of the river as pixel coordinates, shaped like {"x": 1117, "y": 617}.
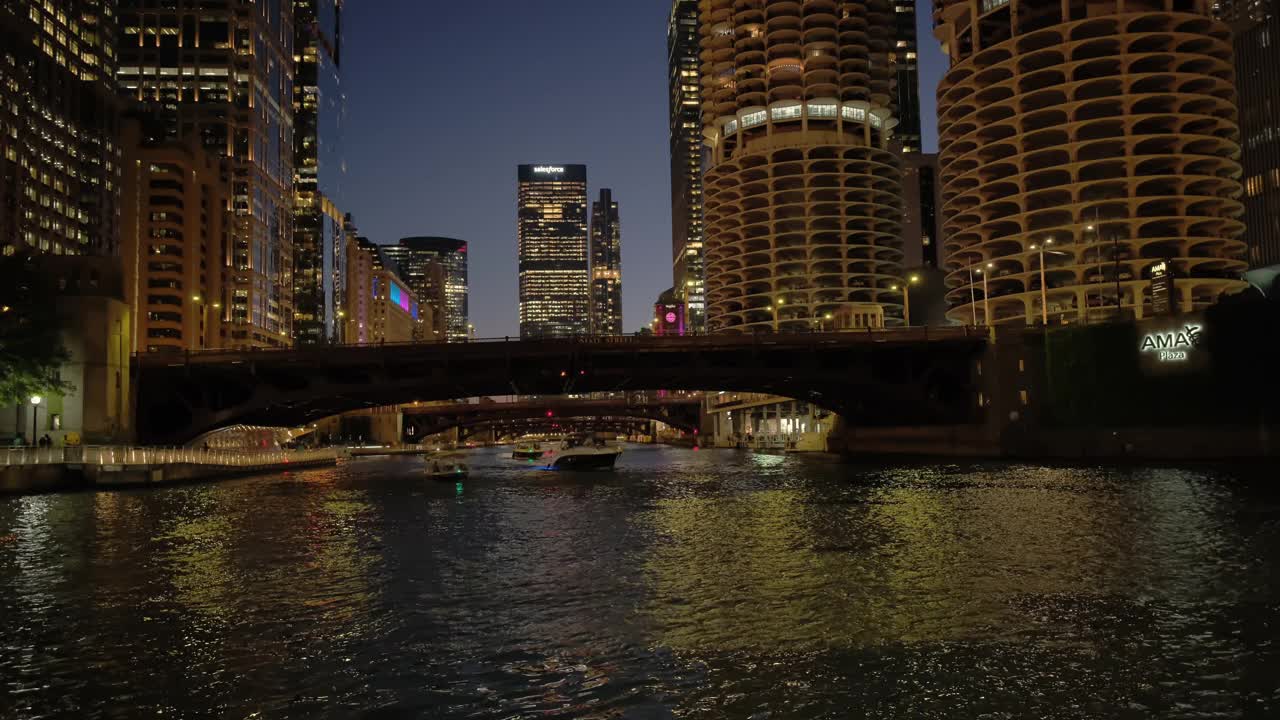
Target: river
{"x": 690, "y": 584}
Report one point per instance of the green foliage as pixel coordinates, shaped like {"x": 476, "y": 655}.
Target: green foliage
{"x": 31, "y": 349}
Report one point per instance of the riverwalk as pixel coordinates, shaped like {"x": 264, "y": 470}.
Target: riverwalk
{"x": 29, "y": 469}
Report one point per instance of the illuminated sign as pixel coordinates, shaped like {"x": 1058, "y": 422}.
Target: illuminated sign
{"x": 671, "y": 318}
{"x": 1172, "y": 346}
{"x": 400, "y": 297}
{"x": 1162, "y": 289}
{"x": 548, "y": 169}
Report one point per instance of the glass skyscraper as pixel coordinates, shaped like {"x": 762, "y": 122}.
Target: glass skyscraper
{"x": 685, "y": 102}
{"x": 319, "y": 110}
{"x": 415, "y": 255}
{"x": 224, "y": 72}
{"x": 555, "y": 295}
{"x": 1256, "y": 40}
{"x": 59, "y": 163}
{"x": 606, "y": 266}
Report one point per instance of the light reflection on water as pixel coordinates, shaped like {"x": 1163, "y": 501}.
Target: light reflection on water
{"x": 702, "y": 585}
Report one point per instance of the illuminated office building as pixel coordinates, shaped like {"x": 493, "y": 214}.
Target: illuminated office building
{"x": 59, "y": 162}
{"x": 1256, "y": 40}
{"x": 1080, "y": 144}
{"x": 223, "y": 72}
{"x": 319, "y": 109}
{"x": 416, "y": 256}
{"x": 555, "y": 281}
{"x": 685, "y": 120}
{"x": 906, "y": 68}
{"x": 803, "y": 194}
{"x": 606, "y": 266}
{"x": 173, "y": 229}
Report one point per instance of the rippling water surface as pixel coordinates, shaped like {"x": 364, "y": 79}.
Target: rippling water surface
{"x": 686, "y": 584}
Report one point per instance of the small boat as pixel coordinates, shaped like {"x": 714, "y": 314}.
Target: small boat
{"x": 527, "y": 451}
{"x": 578, "y": 454}
{"x": 447, "y": 468}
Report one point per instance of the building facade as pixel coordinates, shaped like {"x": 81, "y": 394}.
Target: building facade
{"x": 173, "y": 233}
{"x": 319, "y": 169}
{"x": 1079, "y": 145}
{"x": 685, "y": 126}
{"x": 555, "y": 280}
{"x": 381, "y": 307}
{"x": 606, "y": 266}
{"x": 803, "y": 195}
{"x": 921, "y": 229}
{"x": 906, "y": 69}
{"x": 416, "y": 257}
{"x": 1256, "y": 41}
{"x": 59, "y": 161}
{"x": 223, "y": 72}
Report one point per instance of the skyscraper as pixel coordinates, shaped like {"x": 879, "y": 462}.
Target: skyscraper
{"x": 555, "y": 282}
{"x": 906, "y": 67}
{"x": 1069, "y": 168}
{"x": 606, "y": 266}
{"x": 224, "y": 72}
{"x": 803, "y": 195}
{"x": 59, "y": 162}
{"x": 319, "y": 109}
{"x": 415, "y": 256}
{"x": 685, "y": 115}
{"x": 1256, "y": 41}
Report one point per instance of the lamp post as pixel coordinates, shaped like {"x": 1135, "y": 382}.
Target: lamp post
{"x": 986, "y": 304}
{"x": 973, "y": 301}
{"x": 906, "y": 298}
{"x": 1044, "y": 289}
{"x": 35, "y": 411}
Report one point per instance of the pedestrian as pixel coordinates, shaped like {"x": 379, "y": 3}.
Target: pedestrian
{"x": 48, "y": 441}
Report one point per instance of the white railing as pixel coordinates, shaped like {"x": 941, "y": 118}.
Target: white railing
{"x": 123, "y": 455}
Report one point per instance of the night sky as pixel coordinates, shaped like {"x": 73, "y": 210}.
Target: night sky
{"x": 444, "y": 99}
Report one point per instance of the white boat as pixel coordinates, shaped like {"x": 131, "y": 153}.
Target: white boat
{"x": 580, "y": 454}
{"x": 527, "y": 451}
{"x": 447, "y": 468}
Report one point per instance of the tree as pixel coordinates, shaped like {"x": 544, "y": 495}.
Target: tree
{"x": 31, "y": 349}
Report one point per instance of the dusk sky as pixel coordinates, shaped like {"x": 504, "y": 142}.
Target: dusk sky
{"x": 445, "y": 99}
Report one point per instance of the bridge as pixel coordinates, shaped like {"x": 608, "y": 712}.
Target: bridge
{"x": 678, "y": 411}
{"x": 879, "y": 377}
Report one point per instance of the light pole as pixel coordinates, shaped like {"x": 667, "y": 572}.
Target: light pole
{"x": 1044, "y": 289}
{"x": 986, "y": 303}
{"x": 35, "y": 412}
{"x": 973, "y": 300}
{"x": 906, "y": 298}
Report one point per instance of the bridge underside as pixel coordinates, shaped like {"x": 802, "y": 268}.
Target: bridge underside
{"x": 430, "y": 421}
{"x": 868, "y": 383}
{"x": 508, "y": 430}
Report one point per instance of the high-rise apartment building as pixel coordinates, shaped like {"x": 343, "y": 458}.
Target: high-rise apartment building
{"x": 606, "y": 266}
{"x": 319, "y": 109}
{"x": 59, "y": 161}
{"x": 906, "y": 68}
{"x": 685, "y": 119}
{"x": 415, "y": 256}
{"x": 1256, "y": 41}
{"x": 803, "y": 195}
{"x": 223, "y": 71}
{"x": 1079, "y": 145}
{"x": 173, "y": 230}
{"x": 921, "y": 231}
{"x": 555, "y": 282}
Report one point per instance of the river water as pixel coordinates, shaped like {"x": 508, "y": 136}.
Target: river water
{"x": 712, "y": 584}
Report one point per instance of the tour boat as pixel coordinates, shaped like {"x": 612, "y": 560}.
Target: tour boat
{"x": 527, "y": 451}
{"x": 447, "y": 468}
{"x": 577, "y": 454}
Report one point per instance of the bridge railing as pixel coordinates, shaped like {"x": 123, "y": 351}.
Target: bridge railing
{"x": 100, "y": 455}
{"x": 815, "y": 337}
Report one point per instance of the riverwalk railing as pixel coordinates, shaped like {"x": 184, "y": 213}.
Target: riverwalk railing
{"x": 103, "y": 455}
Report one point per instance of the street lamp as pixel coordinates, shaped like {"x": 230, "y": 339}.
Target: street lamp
{"x": 986, "y": 305}
{"x": 1044, "y": 289}
{"x": 35, "y": 411}
{"x": 906, "y": 298}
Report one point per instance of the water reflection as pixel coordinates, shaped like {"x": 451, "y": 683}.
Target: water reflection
{"x": 699, "y": 585}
